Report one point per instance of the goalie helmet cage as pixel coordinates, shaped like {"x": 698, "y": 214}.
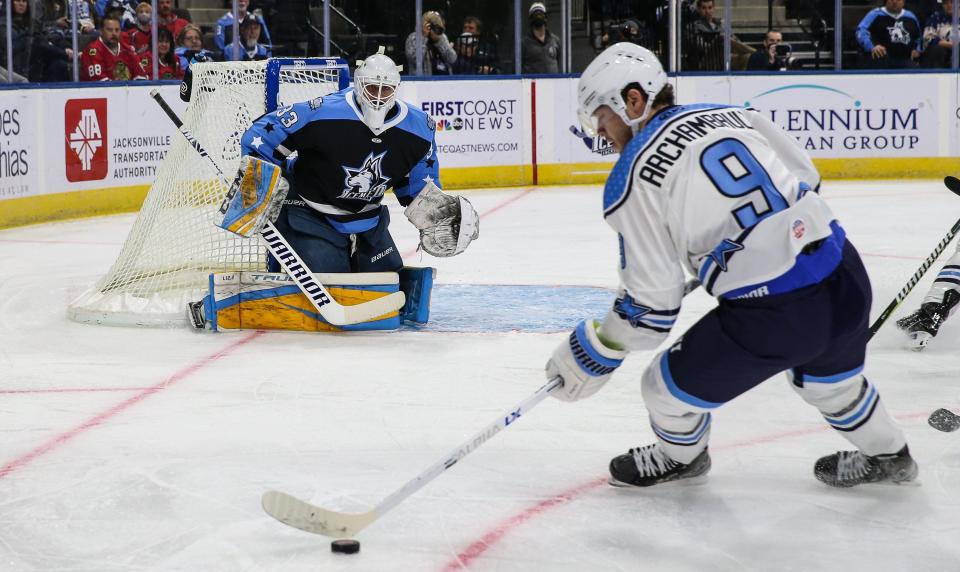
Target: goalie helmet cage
{"x": 174, "y": 244}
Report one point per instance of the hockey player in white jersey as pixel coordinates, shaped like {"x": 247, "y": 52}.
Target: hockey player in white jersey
{"x": 722, "y": 193}
{"x": 940, "y": 303}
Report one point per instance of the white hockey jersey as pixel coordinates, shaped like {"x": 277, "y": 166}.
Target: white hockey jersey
{"x": 724, "y": 194}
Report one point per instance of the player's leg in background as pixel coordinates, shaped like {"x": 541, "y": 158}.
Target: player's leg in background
{"x": 941, "y": 301}
{"x": 322, "y": 247}
{"x": 833, "y": 382}
{"x": 732, "y": 349}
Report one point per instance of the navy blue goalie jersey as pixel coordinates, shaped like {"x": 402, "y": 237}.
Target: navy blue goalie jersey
{"x": 341, "y": 167}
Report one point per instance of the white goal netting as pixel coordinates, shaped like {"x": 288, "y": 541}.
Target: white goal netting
{"x": 174, "y": 244}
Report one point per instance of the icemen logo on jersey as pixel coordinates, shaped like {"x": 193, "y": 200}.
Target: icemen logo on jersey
{"x": 898, "y": 35}
{"x": 366, "y": 182}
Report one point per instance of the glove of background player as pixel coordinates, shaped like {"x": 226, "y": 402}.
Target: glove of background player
{"x": 584, "y": 363}
{"x": 447, "y": 223}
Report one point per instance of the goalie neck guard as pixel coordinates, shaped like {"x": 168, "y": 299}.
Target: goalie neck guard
{"x": 375, "y": 84}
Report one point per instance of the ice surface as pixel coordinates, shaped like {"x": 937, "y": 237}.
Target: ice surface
{"x": 135, "y": 449}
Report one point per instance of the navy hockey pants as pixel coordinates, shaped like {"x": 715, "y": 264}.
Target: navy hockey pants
{"x": 819, "y": 332}
{"x": 325, "y": 249}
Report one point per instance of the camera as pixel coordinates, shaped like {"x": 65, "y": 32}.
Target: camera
{"x": 783, "y": 50}
{"x": 436, "y": 28}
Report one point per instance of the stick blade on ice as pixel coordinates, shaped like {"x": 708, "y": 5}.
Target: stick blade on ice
{"x": 310, "y": 518}
{"x": 944, "y": 420}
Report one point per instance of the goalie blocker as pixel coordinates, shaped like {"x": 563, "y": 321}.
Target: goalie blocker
{"x": 272, "y": 301}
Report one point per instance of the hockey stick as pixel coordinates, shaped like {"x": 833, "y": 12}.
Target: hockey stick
{"x": 953, "y": 184}
{"x": 331, "y": 310}
{"x": 310, "y": 518}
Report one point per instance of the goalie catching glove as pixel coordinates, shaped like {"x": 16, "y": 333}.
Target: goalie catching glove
{"x": 255, "y": 197}
{"x": 447, "y": 223}
{"x": 584, "y": 363}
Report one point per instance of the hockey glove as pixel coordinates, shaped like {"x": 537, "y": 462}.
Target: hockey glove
{"x": 583, "y": 362}
{"x": 447, "y": 223}
{"x": 254, "y": 198}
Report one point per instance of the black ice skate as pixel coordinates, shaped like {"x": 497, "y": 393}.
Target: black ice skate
{"x": 923, "y": 325}
{"x": 646, "y": 466}
{"x": 852, "y": 468}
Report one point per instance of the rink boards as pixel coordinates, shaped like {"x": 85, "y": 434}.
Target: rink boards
{"x": 71, "y": 151}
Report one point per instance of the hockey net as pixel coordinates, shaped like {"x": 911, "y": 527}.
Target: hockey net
{"x": 174, "y": 244}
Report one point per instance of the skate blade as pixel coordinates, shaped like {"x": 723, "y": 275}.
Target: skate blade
{"x": 688, "y": 482}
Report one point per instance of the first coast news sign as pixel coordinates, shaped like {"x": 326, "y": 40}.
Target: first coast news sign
{"x": 98, "y": 138}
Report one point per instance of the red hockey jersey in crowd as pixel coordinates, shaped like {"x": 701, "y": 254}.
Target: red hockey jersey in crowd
{"x": 100, "y": 63}
{"x": 164, "y": 71}
{"x": 136, "y": 38}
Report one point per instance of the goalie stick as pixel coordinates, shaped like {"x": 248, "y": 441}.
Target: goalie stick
{"x": 953, "y": 184}
{"x": 318, "y": 520}
{"x": 331, "y": 310}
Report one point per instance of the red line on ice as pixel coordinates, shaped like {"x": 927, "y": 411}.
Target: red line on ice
{"x": 73, "y": 390}
{"x": 488, "y": 539}
{"x": 106, "y": 415}
{"x": 486, "y": 213}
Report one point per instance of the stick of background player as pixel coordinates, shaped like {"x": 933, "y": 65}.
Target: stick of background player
{"x": 250, "y": 206}
{"x": 350, "y": 148}
{"x": 723, "y": 193}
{"x": 944, "y": 295}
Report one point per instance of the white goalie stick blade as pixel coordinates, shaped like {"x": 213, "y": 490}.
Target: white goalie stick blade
{"x": 309, "y": 518}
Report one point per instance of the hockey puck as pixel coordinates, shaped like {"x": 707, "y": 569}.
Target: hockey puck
{"x": 345, "y": 546}
{"x": 944, "y": 420}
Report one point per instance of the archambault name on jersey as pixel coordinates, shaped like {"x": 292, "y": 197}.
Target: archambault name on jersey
{"x": 668, "y": 145}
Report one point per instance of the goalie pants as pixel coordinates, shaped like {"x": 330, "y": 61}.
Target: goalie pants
{"x": 817, "y": 334}
{"x": 325, "y": 249}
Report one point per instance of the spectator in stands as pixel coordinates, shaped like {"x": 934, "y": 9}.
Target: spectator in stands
{"x": 540, "y": 49}
{"x": 106, "y": 59}
{"x": 169, "y": 63}
{"x": 126, "y": 10}
{"x": 22, "y": 28}
{"x": 190, "y": 46}
{"x": 223, "y": 32}
{"x": 768, "y": 58}
{"x": 168, "y": 19}
{"x": 889, "y": 37}
{"x": 703, "y": 42}
{"x": 50, "y": 54}
{"x": 438, "y": 55}
{"x": 250, "y": 46}
{"x": 938, "y": 46}
{"x": 138, "y": 37}
{"x": 475, "y": 54}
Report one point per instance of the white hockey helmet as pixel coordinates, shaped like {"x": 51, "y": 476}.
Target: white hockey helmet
{"x": 375, "y": 82}
{"x": 609, "y": 73}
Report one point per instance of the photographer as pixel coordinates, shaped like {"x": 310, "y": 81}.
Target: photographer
{"x": 774, "y": 56}
{"x": 438, "y": 54}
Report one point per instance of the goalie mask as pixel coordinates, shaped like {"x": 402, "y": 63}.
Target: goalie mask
{"x": 375, "y": 84}
{"x": 609, "y": 74}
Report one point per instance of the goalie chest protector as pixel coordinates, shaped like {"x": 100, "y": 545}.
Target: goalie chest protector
{"x": 340, "y": 162}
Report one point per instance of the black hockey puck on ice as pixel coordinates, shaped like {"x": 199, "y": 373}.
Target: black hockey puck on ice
{"x": 345, "y": 546}
{"x": 944, "y": 420}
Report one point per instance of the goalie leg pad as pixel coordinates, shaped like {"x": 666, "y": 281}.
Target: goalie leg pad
{"x": 256, "y": 195}
{"x": 416, "y": 284}
{"x": 272, "y": 301}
